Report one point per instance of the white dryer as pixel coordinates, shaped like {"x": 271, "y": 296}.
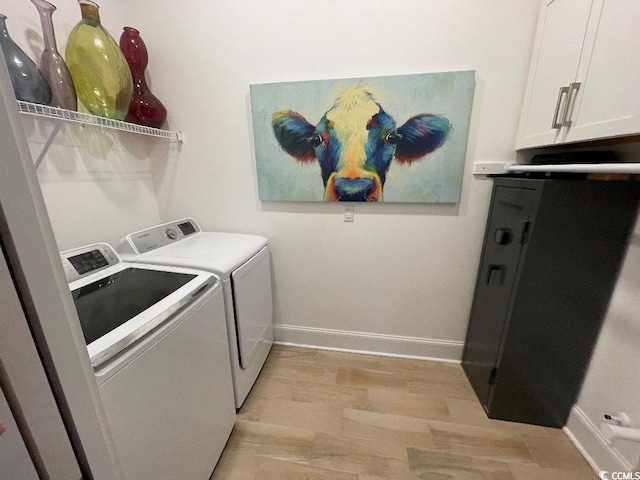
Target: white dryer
{"x": 242, "y": 263}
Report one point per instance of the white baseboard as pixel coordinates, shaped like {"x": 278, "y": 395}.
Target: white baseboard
{"x": 592, "y": 444}
{"x": 377, "y": 344}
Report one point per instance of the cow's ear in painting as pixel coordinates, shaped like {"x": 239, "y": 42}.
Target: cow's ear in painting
{"x": 294, "y": 134}
{"x": 420, "y": 135}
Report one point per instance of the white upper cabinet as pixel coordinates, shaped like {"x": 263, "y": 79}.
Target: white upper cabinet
{"x": 562, "y": 26}
{"x": 608, "y": 102}
{"x": 584, "y": 79}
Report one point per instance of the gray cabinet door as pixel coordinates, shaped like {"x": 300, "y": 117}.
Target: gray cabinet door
{"x": 507, "y": 227}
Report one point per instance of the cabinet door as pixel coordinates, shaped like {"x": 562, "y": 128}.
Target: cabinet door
{"x": 562, "y": 26}
{"x": 608, "y": 102}
{"x": 508, "y": 219}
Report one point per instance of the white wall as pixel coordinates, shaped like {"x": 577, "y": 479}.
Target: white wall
{"x": 398, "y": 270}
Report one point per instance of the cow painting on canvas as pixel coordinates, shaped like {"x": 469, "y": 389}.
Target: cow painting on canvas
{"x": 391, "y": 139}
{"x": 355, "y": 142}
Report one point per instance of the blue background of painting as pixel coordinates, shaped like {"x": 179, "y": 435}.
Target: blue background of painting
{"x": 436, "y": 178}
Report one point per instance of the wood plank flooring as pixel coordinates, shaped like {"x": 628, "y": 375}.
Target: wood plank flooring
{"x": 322, "y": 415}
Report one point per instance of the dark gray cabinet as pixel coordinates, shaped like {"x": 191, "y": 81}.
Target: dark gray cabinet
{"x": 550, "y": 260}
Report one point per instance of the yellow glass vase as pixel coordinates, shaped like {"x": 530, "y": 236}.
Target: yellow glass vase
{"x": 98, "y": 68}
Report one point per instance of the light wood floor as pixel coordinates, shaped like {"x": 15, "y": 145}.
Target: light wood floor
{"x": 316, "y": 415}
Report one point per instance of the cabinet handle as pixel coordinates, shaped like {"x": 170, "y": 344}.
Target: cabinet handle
{"x": 495, "y": 271}
{"x": 502, "y": 236}
{"x": 555, "y": 124}
{"x": 568, "y": 108}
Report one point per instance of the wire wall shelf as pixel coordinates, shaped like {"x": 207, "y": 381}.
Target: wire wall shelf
{"x": 88, "y": 119}
{"x": 45, "y": 111}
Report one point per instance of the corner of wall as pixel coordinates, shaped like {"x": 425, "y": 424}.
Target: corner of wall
{"x": 593, "y": 445}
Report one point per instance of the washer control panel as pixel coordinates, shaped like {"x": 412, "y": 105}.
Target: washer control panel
{"x": 83, "y": 261}
{"x": 156, "y": 237}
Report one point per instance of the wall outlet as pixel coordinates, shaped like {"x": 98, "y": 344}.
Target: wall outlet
{"x": 348, "y": 213}
{"x": 489, "y": 168}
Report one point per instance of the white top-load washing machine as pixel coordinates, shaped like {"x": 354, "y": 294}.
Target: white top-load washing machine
{"x": 242, "y": 263}
{"x": 157, "y": 339}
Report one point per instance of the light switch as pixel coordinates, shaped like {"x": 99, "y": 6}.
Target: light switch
{"x": 348, "y": 213}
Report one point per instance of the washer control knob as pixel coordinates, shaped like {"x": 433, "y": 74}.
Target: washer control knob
{"x": 171, "y": 233}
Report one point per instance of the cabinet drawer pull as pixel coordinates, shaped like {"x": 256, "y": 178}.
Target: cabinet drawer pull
{"x": 568, "y": 107}
{"x": 495, "y": 274}
{"x": 555, "y": 124}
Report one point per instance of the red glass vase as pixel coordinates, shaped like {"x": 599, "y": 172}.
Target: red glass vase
{"x": 145, "y": 108}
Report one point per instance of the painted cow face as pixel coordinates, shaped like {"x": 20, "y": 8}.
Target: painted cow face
{"x": 355, "y": 142}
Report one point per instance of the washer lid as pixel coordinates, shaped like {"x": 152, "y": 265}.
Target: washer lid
{"x": 120, "y": 304}
{"x": 111, "y": 301}
{"x": 220, "y": 253}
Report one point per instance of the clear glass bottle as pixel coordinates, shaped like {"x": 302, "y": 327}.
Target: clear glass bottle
{"x": 63, "y": 93}
{"x": 99, "y": 70}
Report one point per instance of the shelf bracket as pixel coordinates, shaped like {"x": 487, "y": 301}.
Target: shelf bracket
{"x": 50, "y": 140}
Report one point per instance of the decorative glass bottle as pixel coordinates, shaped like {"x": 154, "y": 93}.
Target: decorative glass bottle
{"x": 28, "y": 83}
{"x": 145, "y": 108}
{"x": 51, "y": 62}
{"x": 98, "y": 68}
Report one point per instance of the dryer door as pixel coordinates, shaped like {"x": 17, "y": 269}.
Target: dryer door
{"x": 253, "y": 305}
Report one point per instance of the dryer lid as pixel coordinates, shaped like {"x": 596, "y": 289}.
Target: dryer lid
{"x": 220, "y": 253}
